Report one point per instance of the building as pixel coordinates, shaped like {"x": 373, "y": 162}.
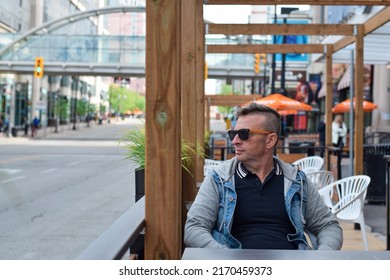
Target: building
{"x": 64, "y": 99}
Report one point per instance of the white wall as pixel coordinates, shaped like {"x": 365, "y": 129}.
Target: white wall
{"x": 381, "y": 96}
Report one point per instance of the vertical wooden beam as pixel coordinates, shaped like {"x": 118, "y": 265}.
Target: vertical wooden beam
{"x": 200, "y": 85}
{"x": 163, "y": 196}
{"x": 328, "y": 100}
{"x": 188, "y": 91}
{"x": 359, "y": 114}
{"x": 207, "y": 115}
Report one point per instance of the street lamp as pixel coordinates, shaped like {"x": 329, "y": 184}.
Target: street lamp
{"x": 75, "y": 88}
{"x": 74, "y": 111}
{"x": 89, "y": 108}
{"x": 56, "y": 111}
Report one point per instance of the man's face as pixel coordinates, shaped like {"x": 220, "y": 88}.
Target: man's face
{"x": 256, "y": 145}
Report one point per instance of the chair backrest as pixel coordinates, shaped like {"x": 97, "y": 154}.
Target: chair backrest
{"x": 327, "y": 194}
{"x": 320, "y": 178}
{"x": 351, "y": 192}
{"x": 309, "y": 164}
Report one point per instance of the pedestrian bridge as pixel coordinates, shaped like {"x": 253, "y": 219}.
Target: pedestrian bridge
{"x": 69, "y": 48}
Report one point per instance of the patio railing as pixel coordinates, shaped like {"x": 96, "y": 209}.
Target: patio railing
{"x": 113, "y": 243}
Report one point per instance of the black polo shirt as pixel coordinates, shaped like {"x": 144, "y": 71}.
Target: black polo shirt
{"x": 260, "y": 218}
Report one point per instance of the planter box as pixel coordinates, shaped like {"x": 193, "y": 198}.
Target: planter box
{"x": 139, "y": 184}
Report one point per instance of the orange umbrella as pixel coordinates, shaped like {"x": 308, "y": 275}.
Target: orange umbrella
{"x": 344, "y": 107}
{"x": 283, "y": 104}
{"x": 288, "y": 112}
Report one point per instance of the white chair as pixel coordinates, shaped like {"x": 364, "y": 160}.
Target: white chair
{"x": 309, "y": 164}
{"x": 351, "y": 193}
{"x": 327, "y": 195}
{"x": 320, "y": 178}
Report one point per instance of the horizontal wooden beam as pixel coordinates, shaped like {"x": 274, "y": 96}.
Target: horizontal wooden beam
{"x": 299, "y": 2}
{"x": 278, "y": 48}
{"x": 342, "y": 43}
{"x": 282, "y": 29}
{"x": 381, "y": 18}
{"x": 230, "y": 100}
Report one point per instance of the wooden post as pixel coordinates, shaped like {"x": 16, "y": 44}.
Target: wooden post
{"x": 329, "y": 101}
{"x": 200, "y": 85}
{"x": 188, "y": 91}
{"x": 359, "y": 114}
{"x": 163, "y": 177}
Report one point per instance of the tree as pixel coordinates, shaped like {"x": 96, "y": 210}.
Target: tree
{"x": 63, "y": 108}
{"x": 82, "y": 107}
{"x": 123, "y": 100}
{"x": 226, "y": 110}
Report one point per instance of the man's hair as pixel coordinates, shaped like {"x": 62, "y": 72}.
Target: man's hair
{"x": 272, "y": 117}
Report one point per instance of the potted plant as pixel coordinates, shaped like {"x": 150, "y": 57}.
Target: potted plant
{"x": 134, "y": 143}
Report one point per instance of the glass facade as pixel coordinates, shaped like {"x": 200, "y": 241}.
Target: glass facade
{"x": 15, "y": 16}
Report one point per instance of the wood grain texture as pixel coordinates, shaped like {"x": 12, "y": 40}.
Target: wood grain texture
{"x": 163, "y": 195}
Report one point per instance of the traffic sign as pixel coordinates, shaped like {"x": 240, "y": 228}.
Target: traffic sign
{"x": 40, "y": 105}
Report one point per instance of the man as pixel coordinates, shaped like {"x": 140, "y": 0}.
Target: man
{"x": 321, "y": 129}
{"x": 339, "y": 132}
{"x": 34, "y": 126}
{"x": 257, "y": 201}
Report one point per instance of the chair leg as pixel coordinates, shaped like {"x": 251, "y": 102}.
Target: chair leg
{"x": 362, "y": 223}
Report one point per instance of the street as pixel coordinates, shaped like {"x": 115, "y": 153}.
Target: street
{"x": 60, "y": 192}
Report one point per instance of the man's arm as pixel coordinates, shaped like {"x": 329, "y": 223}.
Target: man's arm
{"x": 202, "y": 216}
{"x": 321, "y": 222}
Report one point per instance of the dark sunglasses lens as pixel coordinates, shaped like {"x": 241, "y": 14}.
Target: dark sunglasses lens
{"x": 243, "y": 134}
{"x": 232, "y": 134}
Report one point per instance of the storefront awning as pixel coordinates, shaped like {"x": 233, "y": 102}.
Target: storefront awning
{"x": 345, "y": 80}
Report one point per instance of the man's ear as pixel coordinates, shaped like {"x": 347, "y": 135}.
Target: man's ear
{"x": 272, "y": 139}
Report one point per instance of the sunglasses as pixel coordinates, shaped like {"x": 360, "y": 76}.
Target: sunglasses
{"x": 243, "y": 133}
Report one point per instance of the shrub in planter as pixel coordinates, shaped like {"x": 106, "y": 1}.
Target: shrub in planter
{"x": 134, "y": 142}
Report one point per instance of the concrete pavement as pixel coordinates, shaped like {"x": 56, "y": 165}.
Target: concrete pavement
{"x": 107, "y": 131}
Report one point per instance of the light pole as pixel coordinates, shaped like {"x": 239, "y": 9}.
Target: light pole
{"x": 74, "y": 111}
{"x": 75, "y": 88}
{"x": 89, "y": 109}
{"x": 56, "y": 111}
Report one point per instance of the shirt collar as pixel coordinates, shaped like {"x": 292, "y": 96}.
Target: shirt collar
{"x": 243, "y": 172}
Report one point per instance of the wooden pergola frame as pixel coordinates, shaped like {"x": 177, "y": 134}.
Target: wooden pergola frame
{"x": 176, "y": 103}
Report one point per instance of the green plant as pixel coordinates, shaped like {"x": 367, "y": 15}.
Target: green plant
{"x": 62, "y": 109}
{"x": 123, "y": 100}
{"x": 134, "y": 140}
{"x": 206, "y": 143}
{"x": 207, "y": 135}
{"x": 135, "y": 146}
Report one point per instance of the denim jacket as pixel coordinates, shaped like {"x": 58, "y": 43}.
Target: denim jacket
{"x": 209, "y": 220}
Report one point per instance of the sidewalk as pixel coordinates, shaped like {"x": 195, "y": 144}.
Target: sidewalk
{"x": 106, "y": 131}
{"x": 44, "y": 133}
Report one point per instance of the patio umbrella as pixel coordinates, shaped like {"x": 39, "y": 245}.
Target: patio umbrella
{"x": 344, "y": 107}
{"x": 283, "y": 104}
{"x": 288, "y": 112}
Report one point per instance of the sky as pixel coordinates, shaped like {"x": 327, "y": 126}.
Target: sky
{"x": 227, "y": 13}
{"x": 234, "y": 13}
